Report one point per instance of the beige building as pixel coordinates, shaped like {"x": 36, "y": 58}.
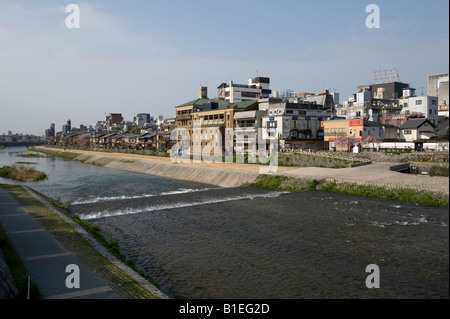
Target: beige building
{"x": 206, "y": 120}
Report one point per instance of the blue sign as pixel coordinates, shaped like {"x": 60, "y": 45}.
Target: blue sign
{"x": 320, "y": 119}
{"x": 271, "y": 119}
{"x": 308, "y": 118}
{"x": 295, "y": 118}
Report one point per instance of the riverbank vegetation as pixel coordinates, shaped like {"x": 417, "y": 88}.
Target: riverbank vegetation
{"x": 62, "y": 154}
{"x": 31, "y": 155}
{"x": 439, "y": 171}
{"x": 285, "y": 183}
{"x": 22, "y": 174}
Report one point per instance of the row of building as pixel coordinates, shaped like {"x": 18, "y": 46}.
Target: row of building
{"x": 143, "y": 133}
{"x": 390, "y": 111}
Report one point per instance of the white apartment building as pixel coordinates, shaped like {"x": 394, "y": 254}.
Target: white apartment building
{"x": 257, "y": 88}
{"x": 426, "y": 106}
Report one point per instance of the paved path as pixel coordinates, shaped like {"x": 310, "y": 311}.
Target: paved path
{"x": 375, "y": 174}
{"x": 45, "y": 259}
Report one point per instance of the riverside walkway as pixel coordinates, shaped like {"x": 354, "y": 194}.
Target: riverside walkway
{"x": 378, "y": 174}
{"x": 47, "y": 244}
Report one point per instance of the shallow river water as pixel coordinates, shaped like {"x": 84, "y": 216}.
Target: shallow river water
{"x": 201, "y": 241}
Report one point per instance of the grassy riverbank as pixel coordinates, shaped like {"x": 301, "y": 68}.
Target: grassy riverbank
{"x": 61, "y": 153}
{"x": 21, "y": 173}
{"x": 30, "y": 155}
{"x": 401, "y": 194}
{"x": 74, "y": 242}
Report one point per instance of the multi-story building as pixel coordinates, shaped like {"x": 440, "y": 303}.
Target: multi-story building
{"x": 113, "y": 120}
{"x": 423, "y": 106}
{"x": 204, "y": 118}
{"x": 388, "y": 91}
{"x": 50, "y": 132}
{"x": 373, "y": 102}
{"x": 294, "y": 122}
{"x": 438, "y": 86}
{"x": 324, "y": 98}
{"x": 257, "y": 88}
{"x": 142, "y": 120}
{"x": 67, "y": 127}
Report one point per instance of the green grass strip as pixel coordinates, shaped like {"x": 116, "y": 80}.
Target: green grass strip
{"x": 293, "y": 184}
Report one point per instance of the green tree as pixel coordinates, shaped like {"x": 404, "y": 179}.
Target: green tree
{"x": 136, "y": 130}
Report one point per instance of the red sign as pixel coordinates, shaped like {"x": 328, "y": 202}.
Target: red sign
{"x": 355, "y": 122}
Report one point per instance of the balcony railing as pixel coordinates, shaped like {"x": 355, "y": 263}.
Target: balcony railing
{"x": 183, "y": 117}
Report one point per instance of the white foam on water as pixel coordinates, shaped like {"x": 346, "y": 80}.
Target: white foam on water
{"x": 414, "y": 222}
{"x": 130, "y": 211}
{"x": 106, "y": 199}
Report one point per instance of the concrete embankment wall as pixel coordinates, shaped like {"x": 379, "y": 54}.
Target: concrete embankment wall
{"x": 192, "y": 173}
{"x": 8, "y": 289}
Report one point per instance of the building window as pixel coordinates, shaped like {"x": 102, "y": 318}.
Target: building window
{"x": 418, "y": 102}
{"x": 249, "y": 94}
{"x": 387, "y": 122}
{"x": 341, "y": 130}
{"x": 407, "y": 132}
{"x": 433, "y": 102}
{"x": 399, "y": 122}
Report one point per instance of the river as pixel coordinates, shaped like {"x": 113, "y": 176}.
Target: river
{"x": 201, "y": 241}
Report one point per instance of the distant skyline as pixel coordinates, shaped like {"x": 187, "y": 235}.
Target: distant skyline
{"x": 134, "y": 57}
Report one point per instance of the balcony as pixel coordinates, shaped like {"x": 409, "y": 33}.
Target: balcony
{"x": 183, "y": 117}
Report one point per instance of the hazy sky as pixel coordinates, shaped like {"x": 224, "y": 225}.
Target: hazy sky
{"x": 149, "y": 56}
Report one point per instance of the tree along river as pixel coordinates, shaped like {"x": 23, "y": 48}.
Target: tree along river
{"x": 201, "y": 241}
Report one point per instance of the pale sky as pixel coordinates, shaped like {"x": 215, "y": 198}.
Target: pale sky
{"x": 149, "y": 56}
